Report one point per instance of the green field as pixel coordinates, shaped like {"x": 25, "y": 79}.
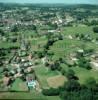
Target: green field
{"x": 83, "y": 74}
{"x": 43, "y": 73}
{"x": 60, "y": 48}
{"x": 27, "y": 95}
{"x": 64, "y": 47}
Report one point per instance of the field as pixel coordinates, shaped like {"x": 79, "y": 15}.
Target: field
{"x": 66, "y": 46}
{"x": 43, "y": 74}
{"x": 56, "y": 81}
{"x": 26, "y": 95}
{"x": 82, "y": 73}
{"x": 19, "y": 85}
{"x": 46, "y": 77}
{"x": 48, "y": 51}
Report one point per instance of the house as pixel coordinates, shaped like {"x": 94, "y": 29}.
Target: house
{"x": 80, "y": 51}
{"x": 44, "y": 60}
{"x": 51, "y": 31}
{"x": 31, "y": 83}
{"x": 94, "y": 65}
{"x": 30, "y": 57}
{"x": 70, "y": 37}
{"x": 6, "y": 81}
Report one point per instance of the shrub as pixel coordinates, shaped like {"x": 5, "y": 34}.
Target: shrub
{"x": 70, "y": 73}
{"x": 51, "y": 92}
{"x": 95, "y": 29}
{"x": 63, "y": 71}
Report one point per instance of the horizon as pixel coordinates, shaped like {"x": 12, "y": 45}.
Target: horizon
{"x": 51, "y": 2}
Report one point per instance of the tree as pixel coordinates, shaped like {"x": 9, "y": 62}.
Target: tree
{"x": 14, "y": 29}
{"x": 63, "y": 71}
{"x": 13, "y": 39}
{"x": 91, "y": 82}
{"x": 61, "y": 60}
{"x": 70, "y": 74}
{"x": 35, "y": 28}
{"x": 55, "y": 66}
{"x": 86, "y": 94}
{"x": 84, "y": 63}
{"x": 41, "y": 54}
{"x": 1, "y": 63}
{"x": 60, "y": 37}
{"x": 72, "y": 85}
{"x": 95, "y": 29}
{"x": 51, "y": 92}
{"x": 2, "y": 32}
{"x": 64, "y": 95}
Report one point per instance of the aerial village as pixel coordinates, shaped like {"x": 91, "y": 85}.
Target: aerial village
{"x": 48, "y": 49}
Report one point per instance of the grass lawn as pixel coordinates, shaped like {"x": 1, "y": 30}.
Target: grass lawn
{"x": 38, "y": 41}
{"x": 43, "y": 73}
{"x": 78, "y": 29}
{"x": 22, "y": 95}
{"x": 26, "y": 96}
{"x": 19, "y": 85}
{"x": 83, "y": 74}
{"x": 53, "y": 98}
{"x": 67, "y": 46}
{"x": 8, "y": 44}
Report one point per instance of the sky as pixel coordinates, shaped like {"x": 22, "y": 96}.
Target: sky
{"x": 53, "y": 1}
